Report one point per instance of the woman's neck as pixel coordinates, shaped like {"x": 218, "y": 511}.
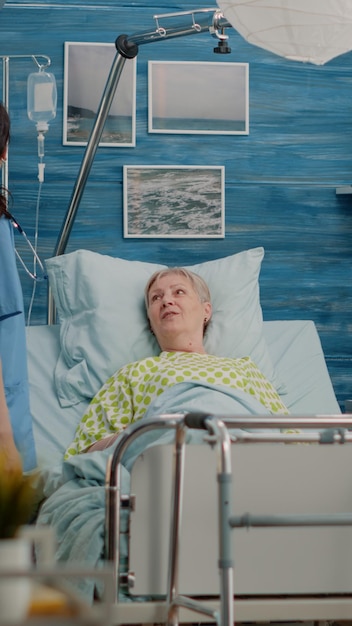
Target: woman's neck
{"x": 183, "y": 346}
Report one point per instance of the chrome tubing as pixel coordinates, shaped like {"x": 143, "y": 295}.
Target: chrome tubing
{"x": 91, "y": 148}
{"x": 113, "y": 486}
{"x": 224, "y": 477}
{"x": 87, "y": 162}
{"x": 289, "y": 422}
{"x": 175, "y": 530}
{"x": 219, "y": 435}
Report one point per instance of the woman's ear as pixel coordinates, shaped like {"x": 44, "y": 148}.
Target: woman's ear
{"x": 207, "y": 310}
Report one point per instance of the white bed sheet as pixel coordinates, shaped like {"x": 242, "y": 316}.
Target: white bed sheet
{"x": 53, "y": 426}
{"x": 297, "y": 353}
{"x": 294, "y": 346}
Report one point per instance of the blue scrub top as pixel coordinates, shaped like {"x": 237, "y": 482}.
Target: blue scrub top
{"x": 13, "y": 351}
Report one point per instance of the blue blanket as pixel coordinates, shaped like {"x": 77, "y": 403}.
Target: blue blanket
{"x": 76, "y": 509}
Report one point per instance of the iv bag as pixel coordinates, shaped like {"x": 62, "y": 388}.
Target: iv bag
{"x": 41, "y": 98}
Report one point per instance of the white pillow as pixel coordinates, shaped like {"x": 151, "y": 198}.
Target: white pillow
{"x": 103, "y": 323}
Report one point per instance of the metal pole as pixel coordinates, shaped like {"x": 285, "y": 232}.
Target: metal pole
{"x": 113, "y": 486}
{"x": 92, "y": 145}
{"x": 87, "y": 162}
{"x": 224, "y": 479}
{"x": 175, "y": 530}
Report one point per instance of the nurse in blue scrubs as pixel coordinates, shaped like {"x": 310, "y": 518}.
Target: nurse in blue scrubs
{"x": 16, "y": 434}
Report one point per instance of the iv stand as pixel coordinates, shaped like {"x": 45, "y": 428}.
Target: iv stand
{"x": 127, "y": 48}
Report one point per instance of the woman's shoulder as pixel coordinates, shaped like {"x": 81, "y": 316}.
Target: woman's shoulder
{"x": 147, "y": 362}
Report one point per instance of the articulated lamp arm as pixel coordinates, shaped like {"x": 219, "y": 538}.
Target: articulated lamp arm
{"x": 208, "y": 20}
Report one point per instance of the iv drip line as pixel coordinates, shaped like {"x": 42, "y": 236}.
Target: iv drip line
{"x": 34, "y": 287}
{"x": 41, "y": 165}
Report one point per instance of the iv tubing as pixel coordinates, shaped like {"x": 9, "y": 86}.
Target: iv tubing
{"x": 41, "y": 165}
{"x": 34, "y": 288}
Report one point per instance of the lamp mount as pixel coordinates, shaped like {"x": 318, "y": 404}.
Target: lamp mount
{"x": 189, "y": 23}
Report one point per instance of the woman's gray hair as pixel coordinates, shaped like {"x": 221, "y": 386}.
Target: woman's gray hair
{"x": 199, "y": 285}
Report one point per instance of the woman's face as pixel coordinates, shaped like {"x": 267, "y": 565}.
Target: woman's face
{"x": 176, "y": 313}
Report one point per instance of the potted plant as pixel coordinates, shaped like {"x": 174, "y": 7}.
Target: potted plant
{"x": 17, "y": 499}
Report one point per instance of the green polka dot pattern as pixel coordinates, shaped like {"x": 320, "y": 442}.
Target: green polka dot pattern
{"x": 127, "y": 394}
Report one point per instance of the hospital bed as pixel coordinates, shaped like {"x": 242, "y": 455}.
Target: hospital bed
{"x": 280, "y": 574}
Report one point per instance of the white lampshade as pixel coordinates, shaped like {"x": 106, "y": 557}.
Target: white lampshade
{"x": 314, "y": 31}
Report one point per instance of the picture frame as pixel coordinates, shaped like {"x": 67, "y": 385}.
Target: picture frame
{"x": 174, "y": 201}
{"x": 216, "y": 103}
{"x": 86, "y": 63}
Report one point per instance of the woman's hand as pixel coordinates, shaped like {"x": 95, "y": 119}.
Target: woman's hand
{"x": 11, "y": 457}
{"x": 12, "y": 461}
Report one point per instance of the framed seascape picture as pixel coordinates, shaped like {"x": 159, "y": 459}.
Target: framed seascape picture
{"x": 198, "y": 97}
{"x": 87, "y": 66}
{"x": 168, "y": 201}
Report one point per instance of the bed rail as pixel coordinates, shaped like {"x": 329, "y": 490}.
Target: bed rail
{"x": 323, "y": 430}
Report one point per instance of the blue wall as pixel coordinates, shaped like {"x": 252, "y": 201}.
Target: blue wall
{"x": 280, "y": 179}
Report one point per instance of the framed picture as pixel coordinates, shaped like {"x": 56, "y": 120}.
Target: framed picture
{"x": 174, "y": 201}
{"x": 198, "y": 97}
{"x": 87, "y": 66}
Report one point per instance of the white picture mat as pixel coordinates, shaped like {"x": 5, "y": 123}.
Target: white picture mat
{"x": 174, "y": 201}
{"x": 198, "y": 97}
{"x": 86, "y": 69}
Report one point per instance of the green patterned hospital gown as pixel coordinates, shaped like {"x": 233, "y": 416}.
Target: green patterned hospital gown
{"x": 126, "y": 395}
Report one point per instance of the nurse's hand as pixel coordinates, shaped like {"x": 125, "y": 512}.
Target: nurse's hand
{"x": 11, "y": 459}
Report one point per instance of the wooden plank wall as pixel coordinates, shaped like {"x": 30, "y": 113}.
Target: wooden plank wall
{"x": 280, "y": 179}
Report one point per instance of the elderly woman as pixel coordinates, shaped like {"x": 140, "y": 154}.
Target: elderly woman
{"x": 179, "y": 309}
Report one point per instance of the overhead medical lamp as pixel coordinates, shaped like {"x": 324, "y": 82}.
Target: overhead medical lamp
{"x": 299, "y": 30}
{"x": 313, "y": 31}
